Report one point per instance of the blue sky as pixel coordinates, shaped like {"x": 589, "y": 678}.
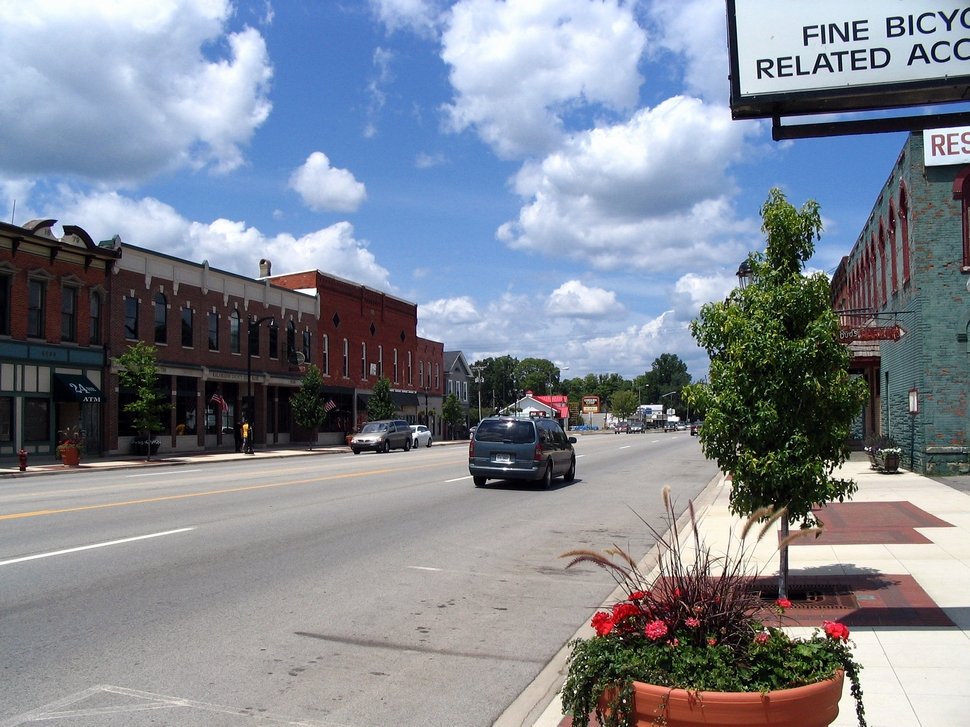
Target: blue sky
{"x": 550, "y": 178}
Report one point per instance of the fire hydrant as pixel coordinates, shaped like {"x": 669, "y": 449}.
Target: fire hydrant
{"x": 22, "y": 456}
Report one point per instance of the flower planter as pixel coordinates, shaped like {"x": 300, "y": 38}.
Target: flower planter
{"x": 814, "y": 705}
{"x": 887, "y": 463}
{"x": 71, "y": 456}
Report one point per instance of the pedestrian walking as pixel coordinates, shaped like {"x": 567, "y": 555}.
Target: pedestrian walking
{"x": 247, "y": 433}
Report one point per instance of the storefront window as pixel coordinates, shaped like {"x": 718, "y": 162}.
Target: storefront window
{"x": 37, "y": 420}
{"x": 185, "y": 405}
{"x": 6, "y": 419}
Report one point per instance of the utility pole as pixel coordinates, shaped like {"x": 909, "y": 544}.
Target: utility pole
{"x": 478, "y": 381}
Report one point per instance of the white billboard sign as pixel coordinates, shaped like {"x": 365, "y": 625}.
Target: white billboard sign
{"x": 946, "y": 146}
{"x": 828, "y": 48}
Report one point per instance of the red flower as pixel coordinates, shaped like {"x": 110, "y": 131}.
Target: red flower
{"x": 783, "y": 603}
{"x": 639, "y": 595}
{"x": 711, "y": 641}
{"x": 603, "y": 623}
{"x": 835, "y": 630}
{"x": 692, "y": 622}
{"x": 655, "y": 630}
{"x": 624, "y": 610}
{"x": 763, "y": 637}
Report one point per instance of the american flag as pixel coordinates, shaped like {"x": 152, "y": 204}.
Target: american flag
{"x": 219, "y": 402}
{"x": 329, "y": 406}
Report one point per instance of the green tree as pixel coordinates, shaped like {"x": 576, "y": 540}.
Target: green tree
{"x": 779, "y": 400}
{"x": 452, "y": 413}
{"x": 538, "y": 375}
{"x": 498, "y": 382}
{"x": 138, "y": 371}
{"x": 624, "y": 404}
{"x": 668, "y": 373}
{"x": 308, "y": 402}
{"x": 380, "y": 405}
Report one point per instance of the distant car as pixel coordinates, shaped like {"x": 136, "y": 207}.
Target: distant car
{"x": 420, "y": 436}
{"x": 681, "y": 427}
{"x": 382, "y": 436}
{"x": 695, "y": 428}
{"x": 471, "y": 432}
{"x": 514, "y": 448}
{"x": 635, "y": 428}
{"x": 621, "y": 427}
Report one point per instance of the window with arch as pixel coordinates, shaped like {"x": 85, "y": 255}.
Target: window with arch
{"x": 893, "y": 253}
{"x": 882, "y": 264}
{"x": 290, "y": 340}
{"x": 235, "y": 332}
{"x": 161, "y": 316}
{"x": 274, "y": 340}
{"x": 904, "y": 230}
{"x": 69, "y": 313}
{"x": 95, "y": 317}
{"x": 307, "y": 345}
{"x": 131, "y": 318}
{"x": 213, "y": 333}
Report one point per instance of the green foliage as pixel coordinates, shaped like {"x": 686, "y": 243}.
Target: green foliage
{"x": 451, "y": 411}
{"x": 380, "y": 405}
{"x": 307, "y": 403}
{"x": 779, "y": 401}
{"x": 538, "y": 375}
{"x": 668, "y": 373}
{"x": 138, "y": 370}
{"x": 624, "y": 404}
{"x": 698, "y": 625}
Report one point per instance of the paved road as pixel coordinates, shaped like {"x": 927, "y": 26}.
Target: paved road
{"x": 330, "y": 590}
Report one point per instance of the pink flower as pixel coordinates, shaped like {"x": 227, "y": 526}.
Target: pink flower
{"x": 835, "y": 630}
{"x": 783, "y": 603}
{"x": 763, "y": 637}
{"x": 603, "y": 623}
{"x": 692, "y": 622}
{"x": 711, "y": 641}
{"x": 655, "y": 630}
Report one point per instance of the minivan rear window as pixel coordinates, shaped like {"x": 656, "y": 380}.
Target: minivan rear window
{"x": 501, "y": 430}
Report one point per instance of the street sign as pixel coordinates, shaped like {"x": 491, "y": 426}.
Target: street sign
{"x": 848, "y": 334}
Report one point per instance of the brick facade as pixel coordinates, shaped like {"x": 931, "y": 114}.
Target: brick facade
{"x": 909, "y": 268}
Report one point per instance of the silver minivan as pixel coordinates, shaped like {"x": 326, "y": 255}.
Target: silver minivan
{"x": 517, "y": 448}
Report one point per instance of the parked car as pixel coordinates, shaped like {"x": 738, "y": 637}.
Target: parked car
{"x": 695, "y": 428}
{"x": 635, "y": 428}
{"x": 382, "y": 435}
{"x": 420, "y": 436}
{"x": 509, "y": 448}
{"x": 621, "y": 427}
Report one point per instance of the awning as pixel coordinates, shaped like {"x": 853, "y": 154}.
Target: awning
{"x": 76, "y": 387}
{"x": 404, "y": 398}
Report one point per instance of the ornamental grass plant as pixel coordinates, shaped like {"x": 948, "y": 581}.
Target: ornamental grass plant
{"x": 699, "y": 624}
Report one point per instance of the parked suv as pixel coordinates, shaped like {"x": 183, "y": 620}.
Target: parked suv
{"x": 510, "y": 448}
{"x": 382, "y": 435}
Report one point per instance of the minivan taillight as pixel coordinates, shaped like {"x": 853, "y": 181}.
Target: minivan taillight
{"x": 471, "y": 448}
{"x": 538, "y": 453}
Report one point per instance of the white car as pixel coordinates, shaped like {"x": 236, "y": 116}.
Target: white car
{"x": 420, "y": 435}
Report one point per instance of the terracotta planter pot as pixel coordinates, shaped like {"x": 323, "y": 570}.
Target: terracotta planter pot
{"x": 815, "y": 705}
{"x": 70, "y": 456}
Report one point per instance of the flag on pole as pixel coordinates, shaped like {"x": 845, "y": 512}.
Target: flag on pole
{"x": 329, "y": 406}
{"x": 219, "y": 402}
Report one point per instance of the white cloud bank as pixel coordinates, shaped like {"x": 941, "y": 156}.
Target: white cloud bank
{"x": 323, "y": 187}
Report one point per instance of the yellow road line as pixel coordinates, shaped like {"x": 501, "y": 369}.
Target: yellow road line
{"x": 207, "y": 493}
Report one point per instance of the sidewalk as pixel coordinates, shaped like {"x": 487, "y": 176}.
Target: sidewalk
{"x": 894, "y": 566}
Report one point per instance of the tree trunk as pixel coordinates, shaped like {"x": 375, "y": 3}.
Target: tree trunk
{"x": 783, "y": 559}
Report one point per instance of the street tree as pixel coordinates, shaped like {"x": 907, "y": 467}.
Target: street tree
{"x": 138, "y": 372}
{"x": 307, "y": 404}
{"x": 624, "y": 404}
{"x": 452, "y": 413}
{"x": 779, "y": 400}
{"x": 380, "y": 405}
{"x": 538, "y": 375}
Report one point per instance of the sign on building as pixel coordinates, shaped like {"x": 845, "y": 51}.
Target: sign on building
{"x": 591, "y": 405}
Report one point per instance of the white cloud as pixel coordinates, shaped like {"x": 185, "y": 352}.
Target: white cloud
{"x": 456, "y": 311}
{"x": 324, "y": 187}
{"x": 696, "y": 30}
{"x": 520, "y": 67}
{"x": 419, "y": 16}
{"x": 652, "y": 193}
{"x": 572, "y": 299}
{"x": 227, "y": 244}
{"x": 123, "y": 91}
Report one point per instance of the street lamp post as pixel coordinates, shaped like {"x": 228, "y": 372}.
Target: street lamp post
{"x": 252, "y": 326}
{"x": 669, "y": 393}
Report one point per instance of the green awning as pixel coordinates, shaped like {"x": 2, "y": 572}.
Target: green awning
{"x": 76, "y": 387}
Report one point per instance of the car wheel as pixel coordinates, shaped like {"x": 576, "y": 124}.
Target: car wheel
{"x": 386, "y": 447}
{"x": 479, "y": 481}
{"x": 356, "y": 451}
{"x": 407, "y": 444}
{"x": 546, "y": 481}
{"x": 571, "y": 472}
{"x": 429, "y": 441}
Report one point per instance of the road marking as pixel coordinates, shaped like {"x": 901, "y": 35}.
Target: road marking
{"x": 208, "y": 493}
{"x": 459, "y": 479}
{"x": 626, "y": 446}
{"x": 175, "y": 473}
{"x": 78, "y": 549}
{"x": 425, "y": 567}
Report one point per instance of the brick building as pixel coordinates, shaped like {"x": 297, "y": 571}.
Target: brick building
{"x": 53, "y": 326}
{"x": 364, "y": 335}
{"x": 216, "y": 333}
{"x": 904, "y": 304}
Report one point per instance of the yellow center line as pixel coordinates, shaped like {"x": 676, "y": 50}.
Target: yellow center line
{"x": 207, "y": 493}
